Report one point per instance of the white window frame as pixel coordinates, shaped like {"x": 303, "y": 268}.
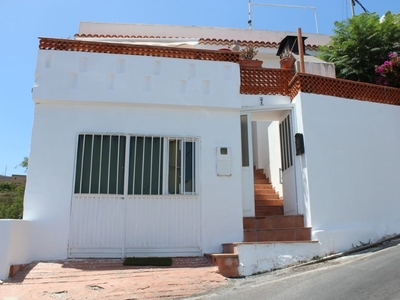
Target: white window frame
{"x": 164, "y": 166}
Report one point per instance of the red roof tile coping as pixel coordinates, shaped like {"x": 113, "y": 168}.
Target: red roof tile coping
{"x": 204, "y": 41}
{"x": 320, "y": 85}
{"x": 265, "y": 81}
{"x": 143, "y": 50}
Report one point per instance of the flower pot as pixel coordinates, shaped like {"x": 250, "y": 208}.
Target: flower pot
{"x": 247, "y": 63}
{"x": 287, "y": 63}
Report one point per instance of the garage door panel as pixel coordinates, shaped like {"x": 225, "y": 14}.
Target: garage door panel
{"x": 163, "y": 222}
{"x": 97, "y": 226}
{"x": 104, "y": 226}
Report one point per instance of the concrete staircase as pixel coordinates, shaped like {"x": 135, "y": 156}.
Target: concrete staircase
{"x": 267, "y": 200}
{"x": 275, "y": 228}
{"x": 269, "y": 223}
{"x": 271, "y": 239}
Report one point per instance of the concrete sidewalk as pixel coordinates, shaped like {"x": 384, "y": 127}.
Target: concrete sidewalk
{"x": 109, "y": 279}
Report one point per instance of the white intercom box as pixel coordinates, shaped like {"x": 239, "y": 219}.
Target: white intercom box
{"x": 224, "y": 161}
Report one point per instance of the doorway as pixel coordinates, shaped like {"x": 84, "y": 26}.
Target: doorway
{"x": 267, "y": 141}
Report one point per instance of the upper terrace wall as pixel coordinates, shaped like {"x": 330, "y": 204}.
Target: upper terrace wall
{"x": 120, "y": 78}
{"x": 194, "y": 31}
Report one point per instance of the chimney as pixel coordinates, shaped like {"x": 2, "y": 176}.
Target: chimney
{"x": 289, "y": 44}
{"x": 289, "y": 47}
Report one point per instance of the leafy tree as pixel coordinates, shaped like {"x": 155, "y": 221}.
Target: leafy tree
{"x": 11, "y": 200}
{"x": 24, "y": 163}
{"x": 361, "y": 43}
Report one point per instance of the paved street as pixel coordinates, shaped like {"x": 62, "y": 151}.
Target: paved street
{"x": 374, "y": 274}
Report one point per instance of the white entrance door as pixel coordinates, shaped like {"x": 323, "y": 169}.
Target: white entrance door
{"x": 287, "y": 165}
{"x": 247, "y": 167}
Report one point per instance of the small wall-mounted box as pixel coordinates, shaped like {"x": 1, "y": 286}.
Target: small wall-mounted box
{"x": 224, "y": 161}
{"x": 299, "y": 141}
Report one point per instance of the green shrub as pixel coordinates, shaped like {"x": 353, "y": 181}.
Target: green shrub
{"x": 11, "y": 200}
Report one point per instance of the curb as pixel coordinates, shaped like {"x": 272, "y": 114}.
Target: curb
{"x": 348, "y": 252}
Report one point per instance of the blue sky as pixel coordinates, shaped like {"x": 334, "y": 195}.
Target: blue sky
{"x": 23, "y": 21}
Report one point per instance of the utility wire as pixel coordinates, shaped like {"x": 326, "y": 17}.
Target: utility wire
{"x": 359, "y": 3}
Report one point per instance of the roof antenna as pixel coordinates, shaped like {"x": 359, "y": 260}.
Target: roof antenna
{"x": 250, "y": 16}
{"x": 286, "y": 6}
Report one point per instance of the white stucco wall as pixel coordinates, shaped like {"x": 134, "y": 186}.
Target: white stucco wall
{"x": 111, "y": 78}
{"x": 195, "y": 31}
{"x": 15, "y": 244}
{"x": 262, "y": 146}
{"x": 254, "y": 101}
{"x": 275, "y": 156}
{"x": 148, "y": 95}
{"x": 254, "y": 129}
{"x": 351, "y": 160}
{"x": 303, "y": 195}
{"x": 264, "y": 257}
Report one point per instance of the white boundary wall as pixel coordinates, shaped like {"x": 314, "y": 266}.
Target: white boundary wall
{"x": 263, "y": 257}
{"x": 14, "y": 246}
{"x": 352, "y": 163}
{"x": 103, "y": 93}
{"x": 275, "y": 156}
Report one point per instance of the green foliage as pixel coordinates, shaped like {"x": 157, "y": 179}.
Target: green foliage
{"x": 11, "y": 200}
{"x": 360, "y": 43}
{"x": 24, "y": 163}
{"x": 248, "y": 53}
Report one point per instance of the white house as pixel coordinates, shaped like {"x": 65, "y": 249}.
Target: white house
{"x": 146, "y": 141}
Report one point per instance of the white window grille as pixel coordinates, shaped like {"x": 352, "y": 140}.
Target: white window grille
{"x": 285, "y": 131}
{"x": 100, "y": 164}
{"x": 156, "y": 165}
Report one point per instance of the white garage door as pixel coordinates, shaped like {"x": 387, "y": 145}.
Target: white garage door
{"x": 135, "y": 196}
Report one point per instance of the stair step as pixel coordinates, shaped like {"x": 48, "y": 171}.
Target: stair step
{"x": 267, "y": 197}
{"x": 265, "y": 192}
{"x": 261, "y": 181}
{"x": 269, "y": 203}
{"x": 261, "y": 177}
{"x": 259, "y": 172}
{"x": 279, "y": 234}
{"x": 273, "y": 222}
{"x": 264, "y": 211}
{"x": 263, "y": 186}
{"x": 229, "y": 248}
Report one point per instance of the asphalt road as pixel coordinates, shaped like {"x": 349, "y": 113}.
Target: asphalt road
{"x": 373, "y": 274}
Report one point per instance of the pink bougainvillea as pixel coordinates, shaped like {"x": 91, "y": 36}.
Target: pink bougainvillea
{"x": 389, "y": 72}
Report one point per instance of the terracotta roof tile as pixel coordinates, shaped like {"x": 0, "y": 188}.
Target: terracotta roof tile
{"x": 203, "y": 41}
{"x": 263, "y": 81}
{"x": 144, "y": 50}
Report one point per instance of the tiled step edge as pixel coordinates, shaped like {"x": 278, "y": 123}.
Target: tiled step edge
{"x": 278, "y": 234}
{"x": 227, "y": 263}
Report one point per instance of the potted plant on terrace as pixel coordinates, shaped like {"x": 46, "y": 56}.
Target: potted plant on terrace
{"x": 287, "y": 60}
{"x": 246, "y": 57}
